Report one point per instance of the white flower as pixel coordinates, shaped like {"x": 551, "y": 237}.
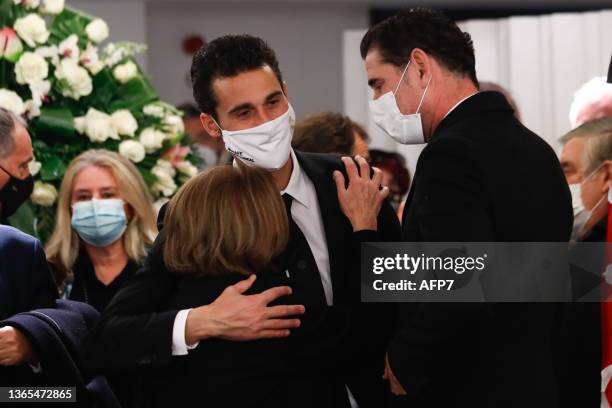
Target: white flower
{"x": 40, "y": 90}
{"x": 49, "y": 52}
{"x": 157, "y": 205}
{"x": 132, "y": 150}
{"x": 77, "y": 80}
{"x": 165, "y": 173}
{"x": 31, "y": 4}
{"x": 69, "y": 48}
{"x": 154, "y": 110}
{"x": 32, "y": 29}
{"x": 91, "y": 60}
{"x": 44, "y": 194}
{"x": 173, "y": 125}
{"x": 152, "y": 139}
{"x": 11, "y": 101}
{"x": 124, "y": 123}
{"x": 32, "y": 109}
{"x": 124, "y": 72}
{"x": 31, "y": 68}
{"x": 97, "y": 30}
{"x": 52, "y": 6}
{"x": 34, "y": 167}
{"x": 187, "y": 168}
{"x": 96, "y": 125}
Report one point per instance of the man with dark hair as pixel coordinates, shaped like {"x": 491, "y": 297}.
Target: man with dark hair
{"x": 239, "y": 90}
{"x": 483, "y": 177}
{"x": 329, "y": 132}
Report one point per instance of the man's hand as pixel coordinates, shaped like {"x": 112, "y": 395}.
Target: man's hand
{"x": 396, "y": 387}
{"x": 15, "y": 349}
{"x": 234, "y": 316}
{"x": 361, "y": 201}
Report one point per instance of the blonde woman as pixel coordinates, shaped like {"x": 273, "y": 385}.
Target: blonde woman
{"x": 104, "y": 223}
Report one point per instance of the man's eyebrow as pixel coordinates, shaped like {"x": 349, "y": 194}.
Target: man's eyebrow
{"x": 246, "y": 105}
{"x": 274, "y": 95}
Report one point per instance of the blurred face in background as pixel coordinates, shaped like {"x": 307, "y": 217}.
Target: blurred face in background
{"x": 571, "y": 160}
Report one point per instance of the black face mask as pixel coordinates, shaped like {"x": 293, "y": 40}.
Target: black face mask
{"x": 14, "y": 193}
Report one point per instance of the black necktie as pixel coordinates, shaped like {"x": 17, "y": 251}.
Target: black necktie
{"x": 300, "y": 262}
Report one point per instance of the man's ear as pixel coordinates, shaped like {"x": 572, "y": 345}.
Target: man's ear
{"x": 421, "y": 60}
{"x": 210, "y": 125}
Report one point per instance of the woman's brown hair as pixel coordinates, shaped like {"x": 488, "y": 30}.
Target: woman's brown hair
{"x": 225, "y": 220}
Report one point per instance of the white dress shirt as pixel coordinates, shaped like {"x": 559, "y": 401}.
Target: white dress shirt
{"x": 306, "y": 213}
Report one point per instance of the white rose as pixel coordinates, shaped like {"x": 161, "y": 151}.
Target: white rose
{"x": 187, "y": 168}
{"x": 124, "y": 123}
{"x": 173, "y": 125}
{"x": 40, "y": 90}
{"x": 166, "y": 167}
{"x": 124, "y": 72}
{"x": 132, "y": 150}
{"x": 97, "y": 126}
{"x": 43, "y": 194}
{"x": 77, "y": 81}
{"x": 31, "y": 68}
{"x": 91, "y": 60}
{"x": 52, "y": 6}
{"x": 32, "y": 109}
{"x": 69, "y": 48}
{"x": 165, "y": 184}
{"x": 157, "y": 205}
{"x": 31, "y": 4}
{"x": 32, "y": 29}
{"x": 49, "y": 52}
{"x": 34, "y": 167}
{"x": 11, "y": 101}
{"x": 97, "y": 30}
{"x": 152, "y": 139}
{"x": 156, "y": 111}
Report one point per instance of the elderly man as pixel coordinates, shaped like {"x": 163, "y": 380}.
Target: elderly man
{"x": 587, "y": 162}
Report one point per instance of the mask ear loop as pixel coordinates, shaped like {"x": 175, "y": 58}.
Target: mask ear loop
{"x": 423, "y": 97}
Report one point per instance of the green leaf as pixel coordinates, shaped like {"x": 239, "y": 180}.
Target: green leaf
{"x": 7, "y": 17}
{"x": 149, "y": 178}
{"x": 134, "y": 94}
{"x": 25, "y": 219}
{"x": 105, "y": 89}
{"x": 54, "y": 122}
{"x": 53, "y": 168}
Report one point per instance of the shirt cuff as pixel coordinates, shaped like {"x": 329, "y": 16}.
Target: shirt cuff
{"x": 179, "y": 346}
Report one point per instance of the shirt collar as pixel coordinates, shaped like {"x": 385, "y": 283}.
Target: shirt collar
{"x": 459, "y": 103}
{"x": 296, "y": 187}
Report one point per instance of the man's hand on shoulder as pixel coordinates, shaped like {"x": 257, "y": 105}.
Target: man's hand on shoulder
{"x": 15, "y": 348}
{"x": 238, "y": 317}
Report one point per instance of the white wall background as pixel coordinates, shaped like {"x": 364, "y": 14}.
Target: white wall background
{"x": 306, "y": 38}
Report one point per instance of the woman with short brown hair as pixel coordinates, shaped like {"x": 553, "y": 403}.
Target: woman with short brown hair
{"x": 225, "y": 223}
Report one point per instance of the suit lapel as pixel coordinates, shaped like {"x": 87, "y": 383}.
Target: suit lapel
{"x": 334, "y": 222}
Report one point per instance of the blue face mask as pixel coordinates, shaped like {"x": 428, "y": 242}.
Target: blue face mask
{"x": 99, "y": 222}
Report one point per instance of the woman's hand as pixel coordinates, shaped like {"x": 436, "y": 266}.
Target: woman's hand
{"x": 15, "y": 348}
{"x": 361, "y": 201}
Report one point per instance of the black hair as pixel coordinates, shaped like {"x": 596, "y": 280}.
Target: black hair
{"x": 227, "y": 56}
{"x": 429, "y": 30}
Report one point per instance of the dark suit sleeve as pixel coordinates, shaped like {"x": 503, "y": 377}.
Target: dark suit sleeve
{"x": 134, "y": 330}
{"x": 43, "y": 291}
{"x": 452, "y": 207}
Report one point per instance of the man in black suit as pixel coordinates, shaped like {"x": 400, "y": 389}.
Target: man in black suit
{"x": 482, "y": 177}
{"x": 239, "y": 89}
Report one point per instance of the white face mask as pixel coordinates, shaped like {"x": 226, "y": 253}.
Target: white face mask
{"x": 266, "y": 146}
{"x": 405, "y": 129}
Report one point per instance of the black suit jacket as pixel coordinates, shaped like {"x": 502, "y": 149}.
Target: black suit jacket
{"x": 483, "y": 177}
{"x": 136, "y": 328}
